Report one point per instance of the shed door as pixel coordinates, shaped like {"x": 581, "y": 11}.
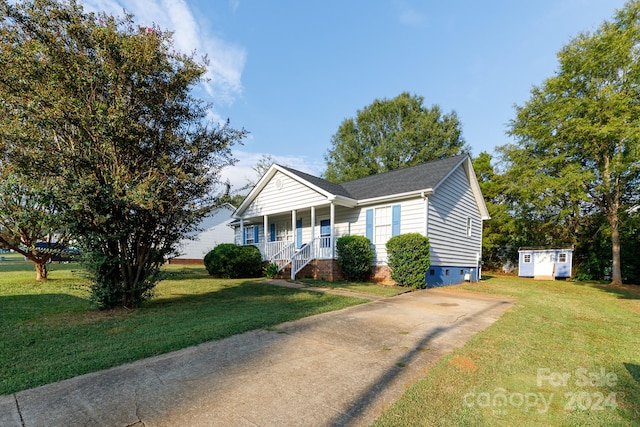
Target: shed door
{"x": 543, "y": 263}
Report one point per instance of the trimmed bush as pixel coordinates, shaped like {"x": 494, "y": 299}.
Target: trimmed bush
{"x": 229, "y": 261}
{"x": 409, "y": 259}
{"x": 270, "y": 270}
{"x": 354, "y": 257}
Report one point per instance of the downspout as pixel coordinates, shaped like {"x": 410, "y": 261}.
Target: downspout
{"x": 426, "y": 213}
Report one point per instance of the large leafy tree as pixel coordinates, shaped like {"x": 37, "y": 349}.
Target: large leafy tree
{"x": 391, "y": 134}
{"x": 577, "y": 138}
{"x": 500, "y": 236}
{"x": 107, "y": 107}
{"x": 30, "y": 222}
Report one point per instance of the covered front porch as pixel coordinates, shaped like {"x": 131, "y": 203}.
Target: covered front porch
{"x": 293, "y": 240}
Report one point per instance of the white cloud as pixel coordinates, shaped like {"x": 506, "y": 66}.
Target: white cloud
{"x": 226, "y": 60}
{"x": 235, "y": 4}
{"x": 409, "y": 16}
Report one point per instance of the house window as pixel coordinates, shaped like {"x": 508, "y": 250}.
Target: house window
{"x": 382, "y": 224}
{"x": 249, "y": 234}
{"x": 432, "y": 272}
{"x": 526, "y": 258}
{"x": 562, "y": 257}
{"x": 446, "y": 272}
{"x": 469, "y": 226}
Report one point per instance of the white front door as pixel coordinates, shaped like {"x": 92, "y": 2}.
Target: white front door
{"x": 543, "y": 263}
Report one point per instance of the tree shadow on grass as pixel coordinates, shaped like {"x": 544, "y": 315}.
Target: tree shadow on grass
{"x": 363, "y": 403}
{"x": 622, "y": 291}
{"x": 634, "y": 370}
{"x": 630, "y": 387}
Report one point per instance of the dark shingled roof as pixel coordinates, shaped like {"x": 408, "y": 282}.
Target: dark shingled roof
{"x": 412, "y": 178}
{"x": 327, "y": 186}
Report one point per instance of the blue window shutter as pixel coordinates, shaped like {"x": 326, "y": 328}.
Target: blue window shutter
{"x": 369, "y": 226}
{"x": 299, "y": 233}
{"x": 272, "y": 231}
{"x": 244, "y": 236}
{"x": 256, "y": 234}
{"x": 395, "y": 220}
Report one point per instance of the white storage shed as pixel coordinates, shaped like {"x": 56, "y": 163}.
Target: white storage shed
{"x": 545, "y": 263}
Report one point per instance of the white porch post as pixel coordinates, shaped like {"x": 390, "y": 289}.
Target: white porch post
{"x": 295, "y": 237}
{"x": 332, "y": 219}
{"x": 242, "y": 231}
{"x": 293, "y": 227}
{"x": 313, "y": 223}
{"x": 266, "y": 230}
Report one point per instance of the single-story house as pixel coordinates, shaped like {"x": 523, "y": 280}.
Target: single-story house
{"x": 545, "y": 263}
{"x": 215, "y": 228}
{"x": 295, "y": 218}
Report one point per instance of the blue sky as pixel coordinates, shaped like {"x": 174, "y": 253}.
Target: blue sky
{"x": 290, "y": 71}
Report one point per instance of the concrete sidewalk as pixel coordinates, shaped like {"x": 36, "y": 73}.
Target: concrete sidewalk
{"x": 340, "y": 368}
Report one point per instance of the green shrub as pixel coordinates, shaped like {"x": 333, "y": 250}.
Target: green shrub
{"x": 409, "y": 259}
{"x": 354, "y": 257}
{"x": 270, "y": 270}
{"x": 229, "y": 261}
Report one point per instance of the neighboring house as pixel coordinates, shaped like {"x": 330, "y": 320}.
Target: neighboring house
{"x": 215, "y": 228}
{"x": 295, "y": 218}
{"x": 545, "y": 263}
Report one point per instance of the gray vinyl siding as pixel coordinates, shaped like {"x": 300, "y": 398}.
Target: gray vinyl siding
{"x": 449, "y": 208}
{"x": 292, "y": 195}
{"x": 353, "y": 222}
{"x": 215, "y": 229}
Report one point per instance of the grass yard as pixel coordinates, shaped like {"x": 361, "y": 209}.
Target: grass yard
{"x": 364, "y": 287}
{"x": 565, "y": 354}
{"x": 49, "y": 331}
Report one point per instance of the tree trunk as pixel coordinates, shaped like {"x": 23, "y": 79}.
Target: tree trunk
{"x": 616, "y": 268}
{"x": 41, "y": 271}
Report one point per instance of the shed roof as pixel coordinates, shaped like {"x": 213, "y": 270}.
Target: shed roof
{"x": 545, "y": 248}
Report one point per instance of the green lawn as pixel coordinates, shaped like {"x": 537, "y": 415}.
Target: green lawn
{"x": 49, "y": 331}
{"x": 364, "y": 287}
{"x": 565, "y": 354}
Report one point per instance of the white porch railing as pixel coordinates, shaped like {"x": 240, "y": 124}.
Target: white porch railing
{"x": 322, "y": 248}
{"x": 302, "y": 257}
{"x": 271, "y": 249}
{"x": 283, "y": 253}
{"x": 283, "y": 257}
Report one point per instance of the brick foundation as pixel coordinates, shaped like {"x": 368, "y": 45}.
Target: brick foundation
{"x": 322, "y": 269}
{"x": 381, "y": 274}
{"x": 328, "y": 269}
{"x": 186, "y": 261}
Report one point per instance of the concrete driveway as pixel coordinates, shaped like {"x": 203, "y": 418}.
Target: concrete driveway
{"x": 340, "y": 368}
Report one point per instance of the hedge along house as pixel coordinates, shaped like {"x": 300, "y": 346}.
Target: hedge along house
{"x": 545, "y": 263}
{"x": 295, "y": 218}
